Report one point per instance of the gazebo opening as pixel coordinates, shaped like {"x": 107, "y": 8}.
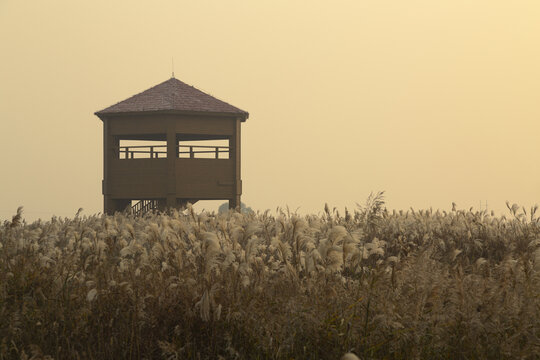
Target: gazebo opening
{"x": 204, "y": 149}
{"x": 142, "y": 149}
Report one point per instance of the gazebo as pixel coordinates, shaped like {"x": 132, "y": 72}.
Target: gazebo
{"x": 170, "y": 145}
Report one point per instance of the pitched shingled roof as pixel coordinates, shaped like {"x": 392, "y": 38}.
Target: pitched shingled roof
{"x": 175, "y": 96}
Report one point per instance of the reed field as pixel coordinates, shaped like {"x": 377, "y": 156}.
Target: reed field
{"x": 382, "y": 284}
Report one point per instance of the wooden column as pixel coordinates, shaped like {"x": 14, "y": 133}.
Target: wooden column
{"x": 235, "y": 202}
{"x": 172, "y": 153}
{"x": 109, "y": 144}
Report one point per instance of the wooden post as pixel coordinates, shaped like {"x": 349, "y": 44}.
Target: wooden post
{"x": 234, "y": 145}
{"x": 108, "y": 143}
{"x": 172, "y": 146}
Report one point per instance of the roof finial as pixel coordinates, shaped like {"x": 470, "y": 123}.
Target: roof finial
{"x": 172, "y": 67}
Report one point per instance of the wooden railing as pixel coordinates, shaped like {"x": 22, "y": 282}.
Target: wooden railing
{"x": 160, "y": 151}
{"x": 144, "y": 206}
{"x": 152, "y": 152}
{"x": 192, "y": 150}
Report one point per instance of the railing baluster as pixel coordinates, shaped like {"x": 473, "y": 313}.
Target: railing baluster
{"x": 143, "y": 206}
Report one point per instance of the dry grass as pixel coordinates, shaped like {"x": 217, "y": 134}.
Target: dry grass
{"x": 400, "y": 285}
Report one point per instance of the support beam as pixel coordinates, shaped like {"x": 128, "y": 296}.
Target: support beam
{"x": 110, "y": 143}
{"x": 172, "y": 154}
{"x": 235, "y": 202}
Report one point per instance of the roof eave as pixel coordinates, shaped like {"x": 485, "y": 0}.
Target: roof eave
{"x": 106, "y": 114}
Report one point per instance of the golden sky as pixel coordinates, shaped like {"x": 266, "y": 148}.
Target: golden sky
{"x": 432, "y": 101}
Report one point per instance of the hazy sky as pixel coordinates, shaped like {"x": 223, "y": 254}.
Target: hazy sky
{"x": 431, "y": 101}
